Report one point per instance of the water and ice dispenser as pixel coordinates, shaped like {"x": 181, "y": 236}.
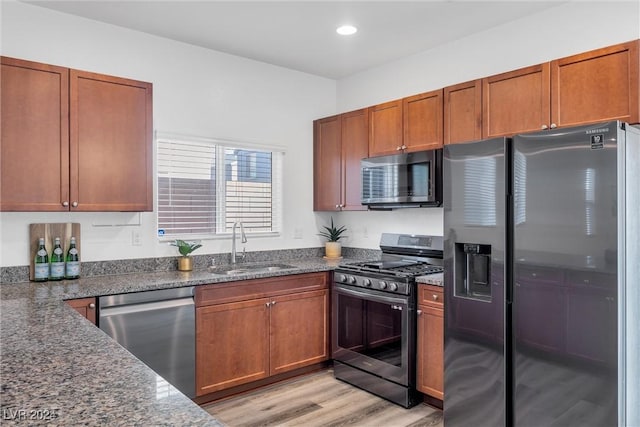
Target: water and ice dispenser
{"x": 472, "y": 271}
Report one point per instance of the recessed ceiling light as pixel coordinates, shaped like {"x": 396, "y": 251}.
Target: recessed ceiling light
{"x": 346, "y": 30}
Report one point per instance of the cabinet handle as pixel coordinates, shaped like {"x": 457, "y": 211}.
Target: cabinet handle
{"x": 544, "y": 127}
{"x": 419, "y": 312}
{"x": 404, "y": 147}
{"x": 268, "y": 304}
{"x": 435, "y": 297}
{"x": 65, "y": 204}
{"x": 74, "y": 204}
{"x": 398, "y": 148}
{"x": 553, "y": 125}
{"x": 273, "y": 303}
{"x": 92, "y": 306}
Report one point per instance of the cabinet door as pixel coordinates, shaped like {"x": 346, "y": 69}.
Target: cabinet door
{"x": 517, "y": 101}
{"x": 385, "y": 128}
{"x": 35, "y": 136}
{"x": 299, "y": 330}
{"x": 327, "y": 166}
{"x": 232, "y": 344}
{"x": 430, "y": 347}
{"x": 596, "y": 86}
{"x": 422, "y": 121}
{"x": 463, "y": 112}
{"x": 84, "y": 306}
{"x": 355, "y": 147}
{"x": 110, "y": 143}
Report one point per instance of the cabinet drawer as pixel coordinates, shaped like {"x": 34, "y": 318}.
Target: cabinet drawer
{"x": 259, "y": 288}
{"x": 431, "y": 295}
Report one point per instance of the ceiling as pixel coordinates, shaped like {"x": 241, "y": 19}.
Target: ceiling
{"x": 301, "y": 35}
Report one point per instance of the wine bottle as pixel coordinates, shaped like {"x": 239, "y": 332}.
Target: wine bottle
{"x": 57, "y": 261}
{"x": 41, "y": 263}
{"x": 72, "y": 261}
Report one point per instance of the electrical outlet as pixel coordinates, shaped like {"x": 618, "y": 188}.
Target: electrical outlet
{"x": 135, "y": 238}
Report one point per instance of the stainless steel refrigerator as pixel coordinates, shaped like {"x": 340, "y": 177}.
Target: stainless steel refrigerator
{"x": 542, "y": 279}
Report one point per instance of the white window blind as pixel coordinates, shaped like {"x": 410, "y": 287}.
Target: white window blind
{"x": 480, "y": 192}
{"x": 205, "y": 186}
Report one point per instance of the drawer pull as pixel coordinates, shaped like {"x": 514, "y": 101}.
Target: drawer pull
{"x": 435, "y": 297}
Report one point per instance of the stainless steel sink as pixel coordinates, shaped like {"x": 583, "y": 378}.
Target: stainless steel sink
{"x": 248, "y": 268}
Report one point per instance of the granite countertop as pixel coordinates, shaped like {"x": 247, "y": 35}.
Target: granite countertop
{"x": 56, "y": 368}
{"x": 436, "y": 279}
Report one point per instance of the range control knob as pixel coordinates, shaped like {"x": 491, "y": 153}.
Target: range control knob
{"x": 383, "y": 285}
{"x": 393, "y": 287}
{"x": 342, "y": 278}
{"x": 366, "y": 282}
{"x": 352, "y": 279}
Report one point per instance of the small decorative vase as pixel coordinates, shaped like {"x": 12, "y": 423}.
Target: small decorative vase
{"x": 333, "y": 250}
{"x": 185, "y": 263}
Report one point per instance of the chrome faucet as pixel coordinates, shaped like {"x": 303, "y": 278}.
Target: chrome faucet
{"x": 233, "y": 241}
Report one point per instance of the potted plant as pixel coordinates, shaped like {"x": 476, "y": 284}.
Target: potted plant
{"x": 185, "y": 248}
{"x": 333, "y": 248}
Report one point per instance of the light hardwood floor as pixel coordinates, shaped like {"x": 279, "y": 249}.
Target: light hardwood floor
{"x": 320, "y": 400}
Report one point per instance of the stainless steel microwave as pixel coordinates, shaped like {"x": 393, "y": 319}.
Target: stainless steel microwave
{"x": 402, "y": 180}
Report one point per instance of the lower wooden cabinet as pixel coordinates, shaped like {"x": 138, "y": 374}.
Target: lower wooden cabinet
{"x": 430, "y": 347}
{"x": 84, "y": 306}
{"x": 250, "y": 330}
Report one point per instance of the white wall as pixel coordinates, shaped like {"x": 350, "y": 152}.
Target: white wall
{"x": 567, "y": 29}
{"x": 197, "y": 92}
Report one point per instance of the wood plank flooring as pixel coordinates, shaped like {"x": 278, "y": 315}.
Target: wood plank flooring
{"x": 318, "y": 400}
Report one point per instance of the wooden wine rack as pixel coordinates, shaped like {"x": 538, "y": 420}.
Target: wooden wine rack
{"x": 63, "y": 230}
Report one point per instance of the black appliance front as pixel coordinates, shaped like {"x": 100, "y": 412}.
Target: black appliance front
{"x": 476, "y": 381}
{"x": 374, "y": 342}
{"x": 402, "y": 180}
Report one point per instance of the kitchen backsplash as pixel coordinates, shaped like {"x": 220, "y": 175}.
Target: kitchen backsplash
{"x": 148, "y": 265}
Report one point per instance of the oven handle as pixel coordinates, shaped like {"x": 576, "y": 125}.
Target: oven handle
{"x": 369, "y": 296}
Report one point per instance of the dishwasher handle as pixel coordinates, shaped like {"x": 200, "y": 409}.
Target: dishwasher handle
{"x": 156, "y": 295}
{"x": 148, "y": 306}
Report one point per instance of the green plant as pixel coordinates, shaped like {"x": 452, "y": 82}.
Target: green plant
{"x": 333, "y": 233}
{"x": 185, "y": 248}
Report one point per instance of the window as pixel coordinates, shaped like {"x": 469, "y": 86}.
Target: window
{"x": 205, "y": 186}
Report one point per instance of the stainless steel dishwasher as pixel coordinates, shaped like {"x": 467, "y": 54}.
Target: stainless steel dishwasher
{"x": 158, "y": 327}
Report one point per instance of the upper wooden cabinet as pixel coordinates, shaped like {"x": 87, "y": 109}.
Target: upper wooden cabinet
{"x": 463, "y": 112}
{"x": 517, "y": 101}
{"x": 385, "y": 128}
{"x": 35, "y": 136}
{"x": 355, "y": 147}
{"x": 599, "y": 85}
{"x": 410, "y": 124}
{"x": 73, "y": 140}
{"x": 340, "y": 142}
{"x": 422, "y": 121}
{"x": 111, "y": 143}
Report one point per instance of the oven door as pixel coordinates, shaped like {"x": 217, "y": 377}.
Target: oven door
{"x": 373, "y": 331}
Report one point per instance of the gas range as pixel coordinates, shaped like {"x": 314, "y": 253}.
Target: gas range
{"x": 404, "y": 257}
{"x": 375, "y": 315}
